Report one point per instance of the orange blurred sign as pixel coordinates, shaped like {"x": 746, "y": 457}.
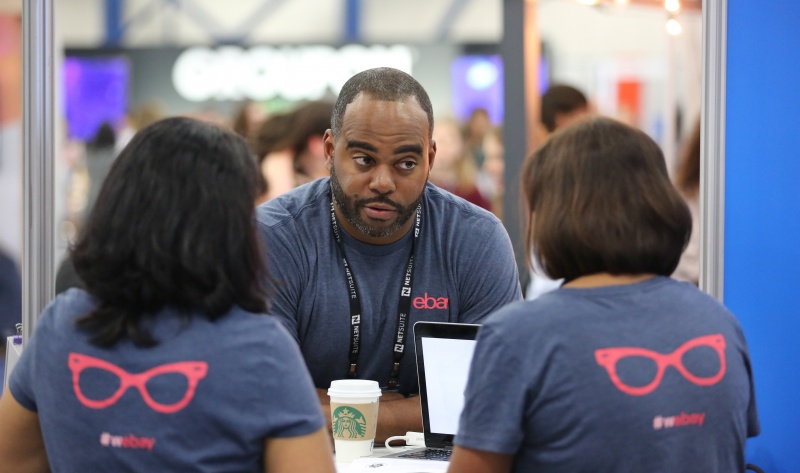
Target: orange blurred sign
{"x": 10, "y": 68}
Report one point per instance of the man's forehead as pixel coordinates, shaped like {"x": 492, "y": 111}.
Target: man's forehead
{"x": 367, "y": 98}
{"x": 355, "y": 110}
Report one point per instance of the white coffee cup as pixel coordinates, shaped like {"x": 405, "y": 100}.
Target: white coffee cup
{"x": 354, "y": 415}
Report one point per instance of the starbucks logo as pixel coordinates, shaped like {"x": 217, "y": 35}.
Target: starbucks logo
{"x": 349, "y": 423}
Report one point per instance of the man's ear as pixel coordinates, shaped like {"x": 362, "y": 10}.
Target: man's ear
{"x": 327, "y": 148}
{"x": 431, "y": 155}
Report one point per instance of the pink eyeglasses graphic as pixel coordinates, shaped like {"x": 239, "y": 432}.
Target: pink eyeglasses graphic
{"x": 193, "y": 370}
{"x": 608, "y": 357}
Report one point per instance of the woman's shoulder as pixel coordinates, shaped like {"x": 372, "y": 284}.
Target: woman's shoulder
{"x": 522, "y": 317}
{"x": 244, "y": 326}
{"x": 66, "y": 307}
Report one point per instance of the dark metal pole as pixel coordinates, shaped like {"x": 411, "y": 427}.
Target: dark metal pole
{"x": 515, "y": 122}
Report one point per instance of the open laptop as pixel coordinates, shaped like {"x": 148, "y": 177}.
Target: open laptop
{"x": 444, "y": 354}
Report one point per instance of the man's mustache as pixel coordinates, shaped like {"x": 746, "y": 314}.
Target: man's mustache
{"x": 376, "y": 200}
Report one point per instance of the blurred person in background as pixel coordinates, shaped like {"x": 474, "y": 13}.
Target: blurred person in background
{"x": 456, "y": 170}
{"x": 98, "y": 158}
{"x": 247, "y": 120}
{"x": 167, "y": 361}
{"x": 623, "y": 368}
{"x": 562, "y": 106}
{"x": 273, "y": 146}
{"x": 290, "y": 145}
{"x": 137, "y": 119}
{"x": 311, "y": 121}
{"x": 475, "y": 128}
{"x": 687, "y": 179}
{"x": 490, "y": 177}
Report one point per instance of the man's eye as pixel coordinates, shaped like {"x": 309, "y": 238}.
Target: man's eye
{"x": 407, "y": 165}
{"x": 363, "y": 160}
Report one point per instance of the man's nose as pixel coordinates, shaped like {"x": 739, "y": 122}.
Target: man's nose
{"x": 382, "y": 180}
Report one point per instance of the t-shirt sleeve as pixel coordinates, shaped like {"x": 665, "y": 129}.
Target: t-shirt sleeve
{"x": 753, "y": 423}
{"x": 490, "y": 280}
{"x": 293, "y": 405}
{"x": 285, "y": 274}
{"x": 494, "y": 406}
{"x": 21, "y": 382}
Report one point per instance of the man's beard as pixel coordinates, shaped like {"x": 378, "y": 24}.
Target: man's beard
{"x": 350, "y": 210}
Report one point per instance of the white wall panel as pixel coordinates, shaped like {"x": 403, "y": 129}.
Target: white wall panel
{"x": 481, "y": 21}
{"x": 80, "y": 23}
{"x": 303, "y": 21}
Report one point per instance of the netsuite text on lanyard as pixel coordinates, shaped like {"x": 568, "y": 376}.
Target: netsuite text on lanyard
{"x": 403, "y": 309}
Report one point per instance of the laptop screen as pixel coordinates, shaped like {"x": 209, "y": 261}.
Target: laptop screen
{"x": 447, "y": 364}
{"x": 444, "y": 355}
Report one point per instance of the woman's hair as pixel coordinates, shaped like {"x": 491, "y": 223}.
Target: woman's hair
{"x": 600, "y": 200}
{"x": 688, "y": 174}
{"x": 173, "y": 225}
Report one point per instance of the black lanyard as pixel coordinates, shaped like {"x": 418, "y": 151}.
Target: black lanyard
{"x": 403, "y": 309}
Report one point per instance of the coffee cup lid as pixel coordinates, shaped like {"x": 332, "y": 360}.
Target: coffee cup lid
{"x": 354, "y": 388}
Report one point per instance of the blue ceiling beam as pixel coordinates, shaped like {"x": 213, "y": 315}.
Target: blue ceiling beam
{"x": 352, "y": 21}
{"x": 114, "y": 26}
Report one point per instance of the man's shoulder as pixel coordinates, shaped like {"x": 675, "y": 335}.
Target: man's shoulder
{"x": 303, "y": 202}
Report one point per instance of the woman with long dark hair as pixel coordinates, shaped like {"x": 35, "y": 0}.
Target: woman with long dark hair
{"x": 166, "y": 361}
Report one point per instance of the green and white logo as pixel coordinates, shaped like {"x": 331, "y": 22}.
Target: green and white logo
{"x": 349, "y": 423}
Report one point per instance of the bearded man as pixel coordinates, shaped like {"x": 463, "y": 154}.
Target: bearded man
{"x": 359, "y": 257}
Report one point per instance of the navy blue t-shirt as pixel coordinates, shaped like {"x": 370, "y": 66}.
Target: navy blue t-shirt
{"x": 464, "y": 269}
{"x": 647, "y": 377}
{"x": 204, "y": 399}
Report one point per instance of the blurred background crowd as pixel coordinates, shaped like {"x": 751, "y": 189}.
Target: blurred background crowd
{"x": 249, "y": 67}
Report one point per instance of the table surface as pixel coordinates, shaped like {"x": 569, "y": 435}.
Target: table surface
{"x": 377, "y": 452}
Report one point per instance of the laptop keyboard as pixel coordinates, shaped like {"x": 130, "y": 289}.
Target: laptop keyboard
{"x": 429, "y": 454}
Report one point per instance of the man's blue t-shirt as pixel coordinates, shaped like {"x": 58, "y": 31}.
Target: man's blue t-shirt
{"x": 653, "y": 376}
{"x": 464, "y": 268}
{"x": 204, "y": 399}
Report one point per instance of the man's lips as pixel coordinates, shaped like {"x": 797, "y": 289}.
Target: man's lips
{"x": 379, "y": 211}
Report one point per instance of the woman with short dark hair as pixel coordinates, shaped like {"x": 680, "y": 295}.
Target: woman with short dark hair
{"x": 166, "y": 362}
{"x": 622, "y": 368}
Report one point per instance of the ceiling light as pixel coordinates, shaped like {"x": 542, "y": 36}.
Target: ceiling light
{"x": 672, "y": 6}
{"x": 674, "y": 27}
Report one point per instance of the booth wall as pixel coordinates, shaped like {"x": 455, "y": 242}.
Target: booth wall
{"x": 762, "y": 214}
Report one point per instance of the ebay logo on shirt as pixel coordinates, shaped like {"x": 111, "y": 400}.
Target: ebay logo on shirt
{"x": 127, "y": 441}
{"x": 427, "y": 302}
